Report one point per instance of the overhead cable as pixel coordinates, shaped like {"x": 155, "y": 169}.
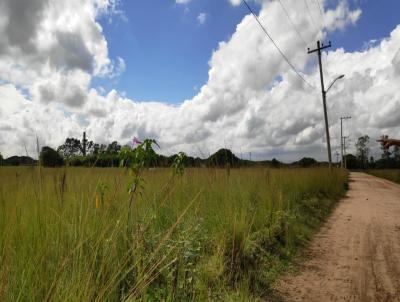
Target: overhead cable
{"x": 276, "y": 46}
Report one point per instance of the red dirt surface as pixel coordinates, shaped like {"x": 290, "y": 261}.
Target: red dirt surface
{"x": 356, "y": 254}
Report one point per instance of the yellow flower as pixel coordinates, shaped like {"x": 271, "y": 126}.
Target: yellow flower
{"x": 97, "y": 202}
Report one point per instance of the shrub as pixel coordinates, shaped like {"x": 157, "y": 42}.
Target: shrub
{"x": 50, "y": 157}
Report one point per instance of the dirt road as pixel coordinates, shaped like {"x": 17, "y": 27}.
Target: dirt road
{"x": 356, "y": 255}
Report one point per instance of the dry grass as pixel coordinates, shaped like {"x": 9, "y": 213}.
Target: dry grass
{"x": 208, "y": 235}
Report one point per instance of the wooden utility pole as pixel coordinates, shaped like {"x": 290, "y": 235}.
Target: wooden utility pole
{"x": 341, "y": 137}
{"x": 84, "y": 144}
{"x": 344, "y": 151}
{"x": 337, "y": 158}
{"x": 328, "y": 140}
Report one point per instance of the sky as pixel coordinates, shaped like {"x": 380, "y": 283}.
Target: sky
{"x": 197, "y": 75}
{"x": 168, "y": 59}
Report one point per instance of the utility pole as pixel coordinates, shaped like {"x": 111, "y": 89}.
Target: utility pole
{"x": 328, "y": 140}
{"x": 84, "y": 144}
{"x": 337, "y": 158}
{"x": 341, "y": 136}
{"x": 344, "y": 151}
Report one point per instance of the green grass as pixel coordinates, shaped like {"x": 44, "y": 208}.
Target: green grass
{"x": 389, "y": 174}
{"x": 212, "y": 234}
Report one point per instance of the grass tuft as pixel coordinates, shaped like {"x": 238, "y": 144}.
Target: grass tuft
{"x": 74, "y": 234}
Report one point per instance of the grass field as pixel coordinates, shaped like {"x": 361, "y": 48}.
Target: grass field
{"x": 212, "y": 234}
{"x": 389, "y": 174}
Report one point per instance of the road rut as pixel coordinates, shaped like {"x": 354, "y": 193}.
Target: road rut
{"x": 356, "y": 254}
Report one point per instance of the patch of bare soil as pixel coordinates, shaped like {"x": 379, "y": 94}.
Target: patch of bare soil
{"x": 356, "y": 254}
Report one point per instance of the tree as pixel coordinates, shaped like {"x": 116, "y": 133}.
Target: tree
{"x": 19, "y": 161}
{"x": 385, "y": 153}
{"x": 50, "y": 157}
{"x": 71, "y": 147}
{"x": 275, "y": 163}
{"x": 223, "y": 157}
{"x": 90, "y": 147}
{"x": 396, "y": 153}
{"x": 372, "y": 163}
{"x": 307, "y": 162}
{"x": 74, "y": 147}
{"x": 113, "y": 148}
{"x": 351, "y": 161}
{"x": 363, "y": 150}
{"x": 98, "y": 149}
{"x": 1, "y": 159}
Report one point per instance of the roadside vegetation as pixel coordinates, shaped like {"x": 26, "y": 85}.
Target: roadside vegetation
{"x": 84, "y": 153}
{"x": 137, "y": 234}
{"x": 389, "y": 174}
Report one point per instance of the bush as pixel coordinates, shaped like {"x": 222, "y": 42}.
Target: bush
{"x": 307, "y": 162}
{"x": 102, "y": 160}
{"x": 50, "y": 157}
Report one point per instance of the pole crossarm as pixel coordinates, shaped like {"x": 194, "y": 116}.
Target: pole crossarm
{"x": 320, "y": 47}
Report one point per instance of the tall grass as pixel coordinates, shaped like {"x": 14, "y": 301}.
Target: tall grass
{"x": 389, "y": 174}
{"x": 70, "y": 234}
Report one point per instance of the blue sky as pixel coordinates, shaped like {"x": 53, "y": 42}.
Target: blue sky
{"x": 166, "y": 50}
{"x": 252, "y": 101}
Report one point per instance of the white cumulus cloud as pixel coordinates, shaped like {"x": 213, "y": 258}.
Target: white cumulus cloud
{"x": 252, "y": 101}
{"x": 182, "y": 1}
{"x": 201, "y": 18}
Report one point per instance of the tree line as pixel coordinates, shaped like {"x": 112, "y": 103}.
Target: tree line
{"x": 363, "y": 160}
{"x": 75, "y": 152}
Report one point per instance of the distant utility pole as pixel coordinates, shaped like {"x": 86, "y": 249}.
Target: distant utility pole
{"x": 337, "y": 157}
{"x": 84, "y": 144}
{"x": 328, "y": 140}
{"x": 344, "y": 151}
{"x": 341, "y": 137}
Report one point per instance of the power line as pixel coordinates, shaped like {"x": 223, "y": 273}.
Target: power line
{"x": 277, "y": 47}
{"x": 291, "y": 22}
{"x": 311, "y": 17}
{"x": 320, "y": 9}
{"x": 324, "y": 58}
{"x": 321, "y": 12}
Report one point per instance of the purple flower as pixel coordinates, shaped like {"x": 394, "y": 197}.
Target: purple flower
{"x": 136, "y": 141}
